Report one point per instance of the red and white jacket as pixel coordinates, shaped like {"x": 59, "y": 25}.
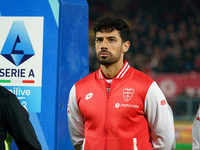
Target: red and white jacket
{"x": 134, "y": 115}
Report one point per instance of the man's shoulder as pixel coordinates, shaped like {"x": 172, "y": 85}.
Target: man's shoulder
{"x": 87, "y": 79}
{"x": 4, "y": 92}
{"x": 6, "y": 95}
{"x": 139, "y": 75}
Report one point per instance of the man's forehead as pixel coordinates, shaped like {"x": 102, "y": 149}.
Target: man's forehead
{"x": 114, "y": 33}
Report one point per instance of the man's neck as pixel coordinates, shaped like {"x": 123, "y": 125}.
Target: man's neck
{"x": 112, "y": 70}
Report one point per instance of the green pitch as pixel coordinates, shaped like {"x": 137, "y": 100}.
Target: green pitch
{"x": 183, "y": 146}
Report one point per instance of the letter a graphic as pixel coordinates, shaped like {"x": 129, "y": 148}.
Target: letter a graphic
{"x": 17, "y": 47}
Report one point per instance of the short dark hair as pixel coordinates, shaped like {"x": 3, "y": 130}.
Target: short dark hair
{"x": 108, "y": 24}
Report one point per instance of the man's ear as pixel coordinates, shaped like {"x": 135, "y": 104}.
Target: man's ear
{"x": 125, "y": 46}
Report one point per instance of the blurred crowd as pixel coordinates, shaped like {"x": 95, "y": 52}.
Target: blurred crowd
{"x": 165, "y": 34}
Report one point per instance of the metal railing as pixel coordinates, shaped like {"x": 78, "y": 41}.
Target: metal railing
{"x": 184, "y": 108}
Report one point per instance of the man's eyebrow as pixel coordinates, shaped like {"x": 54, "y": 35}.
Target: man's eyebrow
{"x": 111, "y": 37}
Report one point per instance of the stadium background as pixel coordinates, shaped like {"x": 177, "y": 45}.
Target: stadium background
{"x": 165, "y": 45}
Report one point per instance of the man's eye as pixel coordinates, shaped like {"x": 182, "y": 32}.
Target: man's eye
{"x": 98, "y": 40}
{"x": 112, "y": 40}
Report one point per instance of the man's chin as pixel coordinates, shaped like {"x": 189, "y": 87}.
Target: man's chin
{"x": 105, "y": 62}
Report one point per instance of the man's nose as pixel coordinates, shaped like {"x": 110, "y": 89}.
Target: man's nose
{"x": 104, "y": 44}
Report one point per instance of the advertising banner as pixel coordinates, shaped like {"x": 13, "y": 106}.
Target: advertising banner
{"x": 21, "y": 51}
{"x": 175, "y": 84}
{"x": 183, "y": 132}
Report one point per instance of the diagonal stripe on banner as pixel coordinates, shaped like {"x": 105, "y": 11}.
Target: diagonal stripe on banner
{"x": 55, "y": 9}
{"x": 35, "y": 122}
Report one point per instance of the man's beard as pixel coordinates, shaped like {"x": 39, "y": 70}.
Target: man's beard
{"x": 107, "y": 61}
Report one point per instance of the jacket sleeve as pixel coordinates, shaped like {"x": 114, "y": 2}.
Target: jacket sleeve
{"x": 18, "y": 125}
{"x": 196, "y": 132}
{"x": 75, "y": 121}
{"x": 160, "y": 119}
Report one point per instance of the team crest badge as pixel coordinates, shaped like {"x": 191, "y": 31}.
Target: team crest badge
{"x": 128, "y": 93}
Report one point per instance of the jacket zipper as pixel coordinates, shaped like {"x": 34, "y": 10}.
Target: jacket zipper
{"x": 106, "y": 113}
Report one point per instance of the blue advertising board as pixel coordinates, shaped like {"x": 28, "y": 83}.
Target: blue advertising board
{"x": 43, "y": 52}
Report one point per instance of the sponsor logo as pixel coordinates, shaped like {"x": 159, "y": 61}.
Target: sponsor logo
{"x": 128, "y": 93}
{"x": 163, "y": 102}
{"x": 17, "y": 48}
{"x": 88, "y": 96}
{"x": 117, "y": 105}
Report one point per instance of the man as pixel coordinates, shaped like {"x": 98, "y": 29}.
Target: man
{"x": 118, "y": 107}
{"x": 196, "y": 132}
{"x": 15, "y": 123}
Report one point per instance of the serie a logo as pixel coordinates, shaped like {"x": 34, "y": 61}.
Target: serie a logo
{"x": 17, "y": 47}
